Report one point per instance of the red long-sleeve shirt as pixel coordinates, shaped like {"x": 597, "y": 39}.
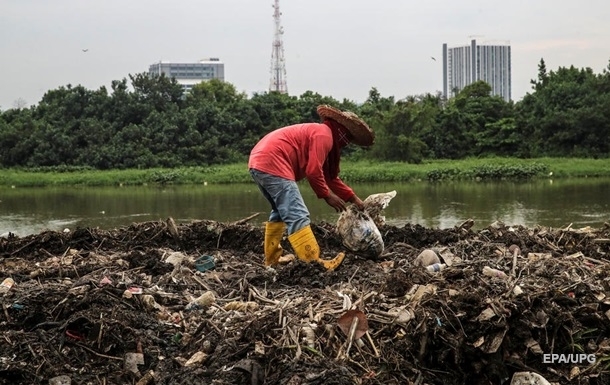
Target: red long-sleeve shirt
{"x": 296, "y": 152}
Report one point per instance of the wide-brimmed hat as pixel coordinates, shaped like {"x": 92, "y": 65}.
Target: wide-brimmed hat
{"x": 362, "y": 135}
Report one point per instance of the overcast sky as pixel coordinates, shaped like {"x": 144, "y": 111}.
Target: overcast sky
{"x": 338, "y": 48}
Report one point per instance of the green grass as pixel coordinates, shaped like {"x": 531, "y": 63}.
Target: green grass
{"x": 352, "y": 171}
{"x": 475, "y": 169}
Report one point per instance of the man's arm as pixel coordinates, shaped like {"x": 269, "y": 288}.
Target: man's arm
{"x": 345, "y": 192}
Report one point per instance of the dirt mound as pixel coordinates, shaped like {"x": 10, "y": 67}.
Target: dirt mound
{"x": 166, "y": 303}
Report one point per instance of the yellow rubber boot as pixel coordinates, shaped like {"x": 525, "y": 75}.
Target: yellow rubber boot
{"x": 273, "y": 250}
{"x": 306, "y": 248}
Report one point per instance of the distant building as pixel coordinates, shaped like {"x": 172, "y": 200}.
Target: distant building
{"x": 189, "y": 74}
{"x": 468, "y": 64}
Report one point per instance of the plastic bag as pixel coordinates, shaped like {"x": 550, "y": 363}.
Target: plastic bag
{"x": 359, "y": 229}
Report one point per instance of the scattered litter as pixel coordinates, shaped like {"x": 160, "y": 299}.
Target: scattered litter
{"x": 426, "y": 258}
{"x": 196, "y": 359}
{"x": 60, "y": 380}
{"x": 249, "y": 306}
{"x": 66, "y": 313}
{"x": 6, "y": 285}
{"x": 434, "y": 268}
{"x": 528, "y": 378}
{"x": 204, "y": 300}
{"x": 132, "y": 360}
{"x": 205, "y": 263}
{"x": 490, "y": 272}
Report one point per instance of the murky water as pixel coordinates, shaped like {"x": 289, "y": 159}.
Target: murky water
{"x": 559, "y": 203}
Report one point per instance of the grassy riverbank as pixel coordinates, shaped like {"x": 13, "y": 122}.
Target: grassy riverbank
{"x": 362, "y": 171}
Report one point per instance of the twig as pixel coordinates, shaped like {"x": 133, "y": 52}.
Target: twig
{"x": 296, "y": 341}
{"x": 212, "y": 324}
{"x": 368, "y": 336}
{"x": 314, "y": 351}
{"x": 218, "y": 241}
{"x": 21, "y": 248}
{"x": 364, "y": 298}
{"x": 256, "y": 295}
{"x": 244, "y": 220}
{"x": 99, "y": 335}
{"x": 595, "y": 260}
{"x": 99, "y": 354}
{"x": 456, "y": 317}
{"x": 515, "y": 253}
{"x": 350, "y": 336}
{"x": 350, "y": 278}
{"x": 199, "y": 281}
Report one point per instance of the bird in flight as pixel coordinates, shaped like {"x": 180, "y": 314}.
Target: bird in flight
{"x": 86, "y": 49}
{"x": 433, "y": 58}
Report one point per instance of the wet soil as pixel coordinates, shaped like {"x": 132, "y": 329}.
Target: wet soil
{"x": 136, "y": 305}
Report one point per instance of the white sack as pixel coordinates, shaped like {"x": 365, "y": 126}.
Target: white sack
{"x": 358, "y": 229}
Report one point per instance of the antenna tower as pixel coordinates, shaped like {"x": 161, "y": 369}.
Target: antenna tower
{"x": 278, "y": 64}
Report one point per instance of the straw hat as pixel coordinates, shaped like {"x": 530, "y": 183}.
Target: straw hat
{"x": 361, "y": 132}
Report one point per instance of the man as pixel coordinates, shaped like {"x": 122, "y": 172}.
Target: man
{"x": 312, "y": 151}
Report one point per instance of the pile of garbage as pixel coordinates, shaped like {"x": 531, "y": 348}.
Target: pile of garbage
{"x": 166, "y": 303}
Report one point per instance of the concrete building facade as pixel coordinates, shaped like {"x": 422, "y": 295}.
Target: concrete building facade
{"x": 467, "y": 64}
{"x": 189, "y": 74}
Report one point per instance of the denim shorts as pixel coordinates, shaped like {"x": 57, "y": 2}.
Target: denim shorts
{"x": 286, "y": 201}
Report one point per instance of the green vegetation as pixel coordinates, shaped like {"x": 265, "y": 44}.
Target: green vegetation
{"x": 351, "y": 171}
{"x": 151, "y": 126}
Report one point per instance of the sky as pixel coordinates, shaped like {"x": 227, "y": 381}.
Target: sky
{"x": 337, "y": 48}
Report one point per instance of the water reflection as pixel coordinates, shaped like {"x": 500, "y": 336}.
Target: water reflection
{"x": 580, "y": 202}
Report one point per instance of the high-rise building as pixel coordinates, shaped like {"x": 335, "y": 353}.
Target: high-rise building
{"x": 468, "y": 64}
{"x": 189, "y": 74}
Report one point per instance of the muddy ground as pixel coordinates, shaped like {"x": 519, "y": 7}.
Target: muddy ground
{"x": 134, "y": 306}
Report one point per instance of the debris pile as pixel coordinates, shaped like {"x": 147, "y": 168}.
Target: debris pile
{"x": 166, "y": 303}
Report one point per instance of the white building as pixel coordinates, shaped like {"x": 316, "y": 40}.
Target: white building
{"x": 468, "y": 64}
{"x": 189, "y": 74}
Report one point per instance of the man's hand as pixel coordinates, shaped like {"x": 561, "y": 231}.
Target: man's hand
{"x": 358, "y": 202}
{"x": 335, "y": 202}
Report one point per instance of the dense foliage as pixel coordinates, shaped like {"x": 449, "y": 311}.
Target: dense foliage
{"x": 152, "y": 123}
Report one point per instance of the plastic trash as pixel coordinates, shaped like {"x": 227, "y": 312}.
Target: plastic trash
{"x": 205, "y": 263}
{"x": 249, "y": 306}
{"x": 528, "y": 378}
{"x": 60, "y": 380}
{"x": 131, "y": 362}
{"x": 147, "y": 378}
{"x": 490, "y": 272}
{"x": 358, "y": 229}
{"x": 426, "y": 258}
{"x": 6, "y": 285}
{"x": 196, "y": 359}
{"x": 203, "y": 301}
{"x": 175, "y": 258}
{"x": 517, "y": 291}
{"x": 150, "y": 303}
{"x": 436, "y": 267}
{"x": 446, "y": 256}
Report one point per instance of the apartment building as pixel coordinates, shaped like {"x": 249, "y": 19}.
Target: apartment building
{"x": 467, "y": 64}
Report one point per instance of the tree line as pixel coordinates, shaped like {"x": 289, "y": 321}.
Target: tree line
{"x": 151, "y": 122}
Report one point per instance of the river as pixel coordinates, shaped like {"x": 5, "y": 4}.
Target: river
{"x": 553, "y": 203}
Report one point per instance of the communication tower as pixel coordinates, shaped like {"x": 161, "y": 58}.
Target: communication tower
{"x": 278, "y": 64}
